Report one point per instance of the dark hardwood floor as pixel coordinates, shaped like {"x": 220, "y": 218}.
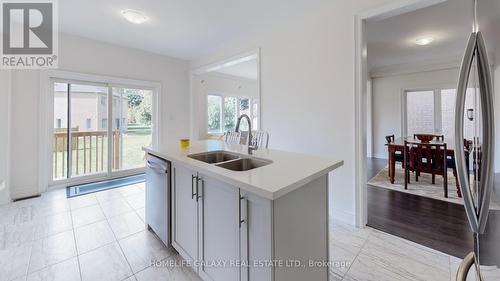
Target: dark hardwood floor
{"x": 433, "y": 223}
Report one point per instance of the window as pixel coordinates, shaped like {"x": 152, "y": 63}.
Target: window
{"x": 230, "y": 113}
{"x": 448, "y": 98}
{"x": 223, "y": 112}
{"x": 104, "y": 123}
{"x": 117, "y": 123}
{"x": 255, "y": 113}
{"x": 420, "y": 112}
{"x": 214, "y": 109}
{"x": 103, "y": 100}
{"x": 89, "y": 123}
{"x": 59, "y": 123}
{"x": 433, "y": 112}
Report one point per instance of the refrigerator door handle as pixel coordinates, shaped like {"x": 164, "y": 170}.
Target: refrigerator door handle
{"x": 463, "y": 79}
{"x": 465, "y": 267}
{"x": 477, "y": 214}
{"x": 488, "y": 144}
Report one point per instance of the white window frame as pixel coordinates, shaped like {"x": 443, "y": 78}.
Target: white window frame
{"x": 47, "y": 78}
{"x": 222, "y": 118}
{"x": 438, "y": 126}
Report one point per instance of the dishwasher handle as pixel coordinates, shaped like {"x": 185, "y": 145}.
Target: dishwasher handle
{"x": 157, "y": 167}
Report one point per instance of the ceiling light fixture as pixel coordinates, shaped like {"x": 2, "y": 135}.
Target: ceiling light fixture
{"x": 134, "y": 16}
{"x": 424, "y": 41}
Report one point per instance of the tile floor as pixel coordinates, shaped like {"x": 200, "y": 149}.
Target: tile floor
{"x": 102, "y": 236}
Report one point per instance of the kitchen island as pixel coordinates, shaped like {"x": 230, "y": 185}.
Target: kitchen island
{"x": 259, "y": 217}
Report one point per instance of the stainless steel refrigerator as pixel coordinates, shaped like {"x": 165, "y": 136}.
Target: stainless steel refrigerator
{"x": 475, "y": 163}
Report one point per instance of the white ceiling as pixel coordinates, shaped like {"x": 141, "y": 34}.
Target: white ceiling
{"x": 185, "y": 29}
{"x": 392, "y": 41}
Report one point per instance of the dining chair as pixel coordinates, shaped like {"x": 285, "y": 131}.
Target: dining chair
{"x": 437, "y": 137}
{"x": 232, "y": 137}
{"x": 260, "y": 139}
{"x": 451, "y": 163}
{"x": 389, "y": 139}
{"x": 427, "y": 158}
{"x": 398, "y": 155}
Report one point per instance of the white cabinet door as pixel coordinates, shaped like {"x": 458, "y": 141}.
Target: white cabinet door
{"x": 257, "y": 231}
{"x": 220, "y": 230}
{"x": 185, "y": 213}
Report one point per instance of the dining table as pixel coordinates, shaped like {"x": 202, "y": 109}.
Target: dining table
{"x": 398, "y": 146}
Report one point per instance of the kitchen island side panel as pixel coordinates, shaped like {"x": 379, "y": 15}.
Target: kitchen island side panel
{"x": 301, "y": 232}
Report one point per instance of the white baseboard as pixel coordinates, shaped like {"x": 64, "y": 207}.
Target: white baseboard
{"x": 4, "y": 192}
{"x": 22, "y": 192}
{"x": 343, "y": 216}
{"x": 380, "y": 156}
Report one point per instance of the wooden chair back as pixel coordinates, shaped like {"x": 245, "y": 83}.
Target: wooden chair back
{"x": 426, "y": 157}
{"x": 389, "y": 139}
{"x": 467, "y": 145}
{"x": 439, "y": 137}
{"x": 436, "y": 137}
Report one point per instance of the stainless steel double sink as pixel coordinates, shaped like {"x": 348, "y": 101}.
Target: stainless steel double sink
{"x": 231, "y": 161}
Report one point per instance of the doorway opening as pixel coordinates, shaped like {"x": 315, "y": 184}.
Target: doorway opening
{"x": 405, "y": 86}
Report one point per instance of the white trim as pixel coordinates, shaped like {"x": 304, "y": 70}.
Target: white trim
{"x": 47, "y": 77}
{"x": 452, "y": 62}
{"x": 9, "y": 135}
{"x": 369, "y": 118}
{"x": 206, "y": 68}
{"x": 411, "y": 68}
{"x": 342, "y": 216}
{"x": 360, "y": 75}
{"x": 404, "y": 114}
{"x": 229, "y": 77}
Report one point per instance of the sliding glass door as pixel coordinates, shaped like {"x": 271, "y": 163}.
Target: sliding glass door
{"x": 132, "y": 126}
{"x": 99, "y": 130}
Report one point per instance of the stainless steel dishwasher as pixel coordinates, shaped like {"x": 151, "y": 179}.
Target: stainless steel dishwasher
{"x": 158, "y": 193}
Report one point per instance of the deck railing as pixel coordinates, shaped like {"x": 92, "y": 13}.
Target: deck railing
{"x": 88, "y": 151}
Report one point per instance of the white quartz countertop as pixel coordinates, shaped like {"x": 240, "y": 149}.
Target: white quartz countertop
{"x": 288, "y": 171}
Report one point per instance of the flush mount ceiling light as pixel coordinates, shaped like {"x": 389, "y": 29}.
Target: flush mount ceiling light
{"x": 134, "y": 16}
{"x": 424, "y": 41}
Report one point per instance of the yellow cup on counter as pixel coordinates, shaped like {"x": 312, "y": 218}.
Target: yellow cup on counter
{"x": 184, "y": 143}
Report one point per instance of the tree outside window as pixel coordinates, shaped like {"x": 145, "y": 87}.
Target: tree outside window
{"x": 223, "y": 112}
{"x": 214, "y": 114}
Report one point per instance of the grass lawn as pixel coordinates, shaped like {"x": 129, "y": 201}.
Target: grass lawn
{"x": 96, "y": 161}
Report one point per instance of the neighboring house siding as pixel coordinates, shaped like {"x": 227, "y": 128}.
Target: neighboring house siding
{"x": 88, "y": 106}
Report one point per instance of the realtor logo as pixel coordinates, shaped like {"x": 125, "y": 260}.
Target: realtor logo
{"x": 29, "y": 34}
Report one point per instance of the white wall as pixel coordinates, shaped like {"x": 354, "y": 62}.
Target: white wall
{"x": 87, "y": 56}
{"x": 210, "y": 83}
{"x": 307, "y": 98}
{"x": 387, "y": 105}
{"x": 4, "y": 136}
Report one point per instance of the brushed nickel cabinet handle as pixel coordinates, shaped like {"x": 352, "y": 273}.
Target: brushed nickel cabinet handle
{"x": 193, "y": 193}
{"x": 240, "y": 219}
